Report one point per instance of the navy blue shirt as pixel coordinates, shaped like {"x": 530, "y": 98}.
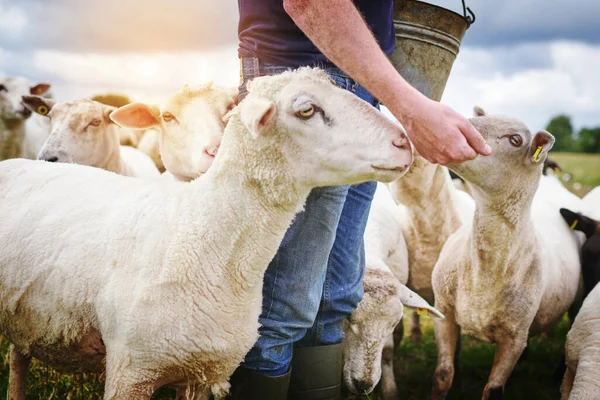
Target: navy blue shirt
{"x": 267, "y": 32}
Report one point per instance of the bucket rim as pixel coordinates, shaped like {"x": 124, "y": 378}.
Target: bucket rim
{"x": 463, "y": 17}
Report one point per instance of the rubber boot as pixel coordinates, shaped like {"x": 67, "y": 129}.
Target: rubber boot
{"x": 251, "y": 385}
{"x": 317, "y": 373}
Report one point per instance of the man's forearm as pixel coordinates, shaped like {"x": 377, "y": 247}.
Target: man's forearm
{"x": 339, "y": 31}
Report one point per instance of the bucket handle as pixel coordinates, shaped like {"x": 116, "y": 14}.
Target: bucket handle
{"x": 470, "y": 18}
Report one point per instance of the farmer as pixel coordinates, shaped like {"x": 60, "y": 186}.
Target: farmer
{"x": 315, "y": 280}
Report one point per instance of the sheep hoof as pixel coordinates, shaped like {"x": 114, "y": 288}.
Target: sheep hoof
{"x": 493, "y": 393}
{"x": 442, "y": 381}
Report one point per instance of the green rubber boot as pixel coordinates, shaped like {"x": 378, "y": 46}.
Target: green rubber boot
{"x": 251, "y": 385}
{"x": 317, "y": 373}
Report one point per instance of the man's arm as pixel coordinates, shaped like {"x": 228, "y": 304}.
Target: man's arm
{"x": 336, "y": 27}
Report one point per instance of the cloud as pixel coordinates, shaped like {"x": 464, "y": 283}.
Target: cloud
{"x": 143, "y": 76}
{"x": 12, "y": 20}
{"x": 516, "y": 21}
{"x": 565, "y": 82}
{"x": 125, "y": 25}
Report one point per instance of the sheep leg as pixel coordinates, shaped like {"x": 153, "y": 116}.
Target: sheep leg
{"x": 507, "y": 354}
{"x": 124, "y": 382}
{"x": 567, "y": 385}
{"x": 447, "y": 335}
{"x": 415, "y": 328}
{"x": 388, "y": 380}
{"x": 398, "y": 333}
{"x": 17, "y": 378}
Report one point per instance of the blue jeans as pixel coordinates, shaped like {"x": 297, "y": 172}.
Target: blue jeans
{"x": 315, "y": 280}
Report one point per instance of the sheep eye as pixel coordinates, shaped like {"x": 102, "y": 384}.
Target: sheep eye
{"x": 42, "y": 110}
{"x": 515, "y": 140}
{"x": 230, "y": 107}
{"x": 95, "y": 122}
{"x": 307, "y": 112}
{"x": 167, "y": 116}
{"x": 3, "y": 88}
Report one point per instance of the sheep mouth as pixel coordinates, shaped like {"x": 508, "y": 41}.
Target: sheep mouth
{"x": 389, "y": 169}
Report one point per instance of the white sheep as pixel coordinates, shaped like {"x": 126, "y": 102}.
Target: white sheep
{"x": 163, "y": 279}
{"x": 82, "y": 132}
{"x": 591, "y": 203}
{"x": 434, "y": 210}
{"x": 582, "y": 377}
{"x": 21, "y": 134}
{"x": 405, "y": 239}
{"x": 190, "y": 125}
{"x": 582, "y": 349}
{"x": 369, "y": 343}
{"x": 516, "y": 269}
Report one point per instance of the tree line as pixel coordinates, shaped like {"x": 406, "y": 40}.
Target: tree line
{"x": 587, "y": 140}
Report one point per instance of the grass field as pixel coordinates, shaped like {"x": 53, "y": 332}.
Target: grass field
{"x": 414, "y": 365}
{"x": 532, "y": 378}
{"x": 583, "y": 168}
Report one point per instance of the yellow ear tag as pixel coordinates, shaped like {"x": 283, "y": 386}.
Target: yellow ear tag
{"x": 423, "y": 312}
{"x": 574, "y": 224}
{"x": 42, "y": 110}
{"x": 536, "y": 155}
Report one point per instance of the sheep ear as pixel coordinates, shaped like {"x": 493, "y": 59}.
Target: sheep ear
{"x": 479, "y": 112}
{"x": 38, "y": 104}
{"x": 136, "y": 116}
{"x": 256, "y": 114}
{"x": 412, "y": 300}
{"x": 579, "y": 222}
{"x": 540, "y": 146}
{"x": 39, "y": 89}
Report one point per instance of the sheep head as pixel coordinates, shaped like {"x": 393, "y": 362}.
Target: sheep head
{"x": 325, "y": 135}
{"x": 191, "y": 124}
{"x": 372, "y": 324}
{"x": 12, "y": 89}
{"x": 517, "y": 154}
{"x": 81, "y": 131}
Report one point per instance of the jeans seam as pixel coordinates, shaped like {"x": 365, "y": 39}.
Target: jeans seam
{"x": 273, "y": 291}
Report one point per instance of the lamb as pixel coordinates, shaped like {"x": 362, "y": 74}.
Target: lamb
{"x": 435, "y": 209}
{"x": 21, "y": 134}
{"x": 516, "y": 269}
{"x": 399, "y": 238}
{"x": 369, "y": 344}
{"x": 582, "y": 377}
{"x": 590, "y": 250}
{"x": 82, "y": 132}
{"x": 163, "y": 279}
{"x": 189, "y": 125}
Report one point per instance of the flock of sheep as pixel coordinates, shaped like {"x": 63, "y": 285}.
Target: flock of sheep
{"x": 156, "y": 279}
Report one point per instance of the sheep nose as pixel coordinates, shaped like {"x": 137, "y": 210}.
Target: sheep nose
{"x": 212, "y": 150}
{"x": 361, "y": 386}
{"x": 51, "y": 159}
{"x": 401, "y": 143}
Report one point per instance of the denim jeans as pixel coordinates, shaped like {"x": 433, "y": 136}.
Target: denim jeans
{"x": 315, "y": 280}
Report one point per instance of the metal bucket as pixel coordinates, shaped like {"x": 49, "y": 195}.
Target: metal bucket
{"x": 427, "y": 42}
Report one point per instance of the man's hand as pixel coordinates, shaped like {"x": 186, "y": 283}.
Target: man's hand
{"x": 339, "y": 31}
{"x": 439, "y": 133}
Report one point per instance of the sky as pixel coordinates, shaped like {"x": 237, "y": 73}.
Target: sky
{"x": 531, "y": 59}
